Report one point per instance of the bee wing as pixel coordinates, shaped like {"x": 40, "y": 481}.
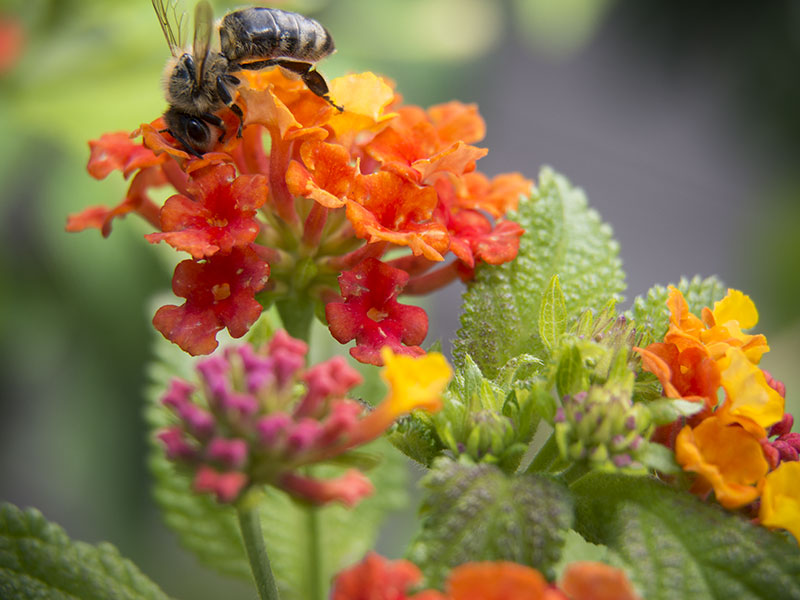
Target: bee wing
{"x": 172, "y": 25}
{"x": 203, "y": 26}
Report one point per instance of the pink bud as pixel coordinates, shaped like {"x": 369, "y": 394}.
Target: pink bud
{"x": 198, "y": 422}
{"x": 226, "y": 486}
{"x": 214, "y": 371}
{"x": 175, "y": 444}
{"x": 231, "y": 453}
{"x": 273, "y": 429}
{"x": 259, "y": 369}
{"x": 783, "y": 426}
{"x": 178, "y": 394}
{"x": 332, "y": 378}
{"x": 243, "y": 405}
{"x": 304, "y": 435}
{"x": 775, "y": 384}
{"x": 283, "y": 341}
{"x": 348, "y": 489}
{"x": 788, "y": 451}
{"x": 771, "y": 453}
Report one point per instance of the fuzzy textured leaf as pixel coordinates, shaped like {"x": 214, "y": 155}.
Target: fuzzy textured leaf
{"x": 651, "y": 315}
{"x": 210, "y": 531}
{"x": 563, "y": 237}
{"x": 38, "y": 561}
{"x": 476, "y": 512}
{"x": 678, "y": 547}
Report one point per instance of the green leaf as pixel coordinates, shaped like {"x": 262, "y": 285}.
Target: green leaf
{"x": 38, "y": 560}
{"x": 571, "y": 375}
{"x": 651, "y": 315}
{"x": 552, "y": 314}
{"x": 667, "y": 410}
{"x": 678, "y": 547}
{"x": 578, "y": 549}
{"x": 475, "y": 512}
{"x": 563, "y": 237}
{"x": 210, "y": 530}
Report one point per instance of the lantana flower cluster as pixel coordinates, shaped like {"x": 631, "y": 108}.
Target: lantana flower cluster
{"x": 258, "y": 416}
{"x": 742, "y": 448}
{"x": 304, "y": 208}
{"x": 377, "y": 578}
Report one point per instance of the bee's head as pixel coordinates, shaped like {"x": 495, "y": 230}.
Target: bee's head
{"x": 180, "y": 80}
{"x": 191, "y": 131}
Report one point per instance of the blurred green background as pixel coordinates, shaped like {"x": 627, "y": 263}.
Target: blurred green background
{"x": 680, "y": 119}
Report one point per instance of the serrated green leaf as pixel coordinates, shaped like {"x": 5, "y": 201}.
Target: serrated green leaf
{"x": 679, "y": 547}
{"x": 38, "y": 561}
{"x": 651, "y": 315}
{"x": 552, "y": 314}
{"x": 563, "y": 237}
{"x": 476, "y": 512}
{"x": 210, "y": 530}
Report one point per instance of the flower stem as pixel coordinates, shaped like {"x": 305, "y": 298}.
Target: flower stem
{"x": 546, "y": 456}
{"x": 250, "y": 526}
{"x": 314, "y": 553}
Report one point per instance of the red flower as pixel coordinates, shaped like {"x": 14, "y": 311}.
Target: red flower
{"x": 220, "y": 216}
{"x": 118, "y": 152}
{"x": 392, "y": 209}
{"x": 372, "y": 316}
{"x": 473, "y": 237}
{"x": 219, "y": 293}
{"x": 376, "y": 578}
{"x": 136, "y": 200}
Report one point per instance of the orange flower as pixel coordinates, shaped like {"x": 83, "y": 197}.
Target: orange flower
{"x": 719, "y": 329}
{"x": 596, "y": 581}
{"x": 726, "y": 458}
{"x": 495, "y": 581}
{"x": 780, "y": 499}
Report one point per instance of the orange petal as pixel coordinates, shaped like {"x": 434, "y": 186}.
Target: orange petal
{"x": 726, "y": 457}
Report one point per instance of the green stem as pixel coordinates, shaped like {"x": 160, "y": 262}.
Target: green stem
{"x": 250, "y": 526}
{"x": 314, "y": 553}
{"x": 575, "y": 472}
{"x": 546, "y": 456}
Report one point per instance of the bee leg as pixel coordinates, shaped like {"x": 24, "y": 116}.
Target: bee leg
{"x": 314, "y": 81}
{"x": 215, "y": 120}
{"x": 185, "y": 144}
{"x": 222, "y": 90}
{"x": 258, "y": 65}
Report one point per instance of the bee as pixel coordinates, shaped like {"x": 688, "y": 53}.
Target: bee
{"x": 199, "y": 83}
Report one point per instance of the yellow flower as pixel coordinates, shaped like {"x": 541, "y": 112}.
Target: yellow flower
{"x": 736, "y": 306}
{"x": 726, "y": 458}
{"x": 415, "y": 382}
{"x": 780, "y": 498}
{"x": 751, "y": 402}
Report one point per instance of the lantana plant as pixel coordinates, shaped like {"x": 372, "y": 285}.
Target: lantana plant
{"x": 570, "y": 449}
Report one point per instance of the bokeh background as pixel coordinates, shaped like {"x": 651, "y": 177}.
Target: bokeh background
{"x": 680, "y": 119}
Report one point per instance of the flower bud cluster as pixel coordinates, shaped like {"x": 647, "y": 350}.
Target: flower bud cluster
{"x": 490, "y": 435}
{"x": 260, "y": 414}
{"x": 602, "y": 426}
{"x": 786, "y": 445}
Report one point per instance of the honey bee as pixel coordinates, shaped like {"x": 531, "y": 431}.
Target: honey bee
{"x": 199, "y": 83}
